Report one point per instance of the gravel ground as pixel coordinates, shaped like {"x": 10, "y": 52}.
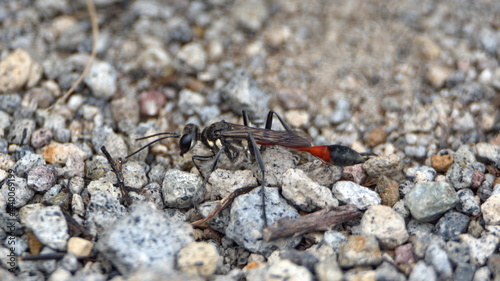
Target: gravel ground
{"x": 415, "y": 82}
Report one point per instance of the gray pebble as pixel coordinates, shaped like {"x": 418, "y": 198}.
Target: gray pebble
{"x": 334, "y": 239}
{"x": 77, "y": 205}
{"x": 10, "y": 102}
{"x": 105, "y": 185}
{"x": 220, "y": 221}
{"x": 341, "y": 112}
{"x": 416, "y": 151}
{"x": 125, "y": 112}
{"x": 21, "y": 130}
{"x": 468, "y": 203}
{"x": 421, "y": 173}
{"x": 246, "y": 222}
{"x": 242, "y": 93}
{"x": 5, "y": 120}
{"x": 42, "y": 177}
{"x": 377, "y": 166}
{"x": 277, "y": 161}
{"x": 460, "y": 176}
{"x": 360, "y": 251}
{"x": 464, "y": 272}
{"x": 352, "y": 193}
{"x": 101, "y": 78}
{"x": 438, "y": 258}
{"x": 199, "y": 259}
{"x": 464, "y": 155}
{"x": 41, "y": 137}
{"x": 179, "y": 188}
{"x": 145, "y": 237}
{"x": 152, "y": 191}
{"x": 328, "y": 270}
{"x": 387, "y": 271}
{"x": 488, "y": 152}
{"x": 401, "y": 209}
{"x": 26, "y": 163}
{"x": 458, "y": 252}
{"x": 251, "y": 14}
{"x": 451, "y": 225}
{"x": 134, "y": 175}
{"x": 385, "y": 224}
{"x": 418, "y": 228}
{"x": 49, "y": 226}
{"x": 422, "y": 272}
{"x": 427, "y": 201}
{"x": 483, "y": 273}
{"x": 97, "y": 167}
{"x": 76, "y": 185}
{"x": 225, "y": 181}
{"x": 102, "y": 211}
{"x": 480, "y": 249}
{"x": 192, "y": 57}
{"x": 156, "y": 174}
{"x": 190, "y": 102}
{"x": 16, "y": 188}
{"x": 304, "y": 193}
{"x": 325, "y": 175}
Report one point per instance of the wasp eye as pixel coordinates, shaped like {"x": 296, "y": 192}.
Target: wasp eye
{"x": 185, "y": 143}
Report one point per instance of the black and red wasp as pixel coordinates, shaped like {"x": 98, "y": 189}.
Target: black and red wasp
{"x": 224, "y": 138}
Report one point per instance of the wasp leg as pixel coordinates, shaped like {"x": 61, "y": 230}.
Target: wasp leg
{"x": 253, "y": 146}
{"x": 269, "y": 121}
{"x": 197, "y": 196}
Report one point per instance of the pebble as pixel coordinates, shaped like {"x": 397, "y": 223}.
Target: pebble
{"x": 76, "y": 185}
{"x": 334, "y": 239}
{"x": 442, "y": 161}
{"x": 427, "y": 201}
{"x": 77, "y": 205}
{"x": 151, "y": 102}
{"x": 68, "y": 154}
{"x": 341, "y": 112}
{"x": 438, "y": 258}
{"x": 80, "y": 247}
{"x": 26, "y": 163}
{"x": 190, "y": 101}
{"x": 468, "y": 203}
{"x": 251, "y": 14}
{"x": 15, "y": 71}
{"x": 421, "y": 173}
{"x": 97, "y": 167}
{"x": 460, "y": 176}
{"x": 480, "y": 249}
{"x": 451, "y": 225}
{"x": 327, "y": 175}
{"x": 422, "y": 272}
{"x": 404, "y": 257}
{"x": 464, "y": 272}
{"x": 16, "y": 188}
{"x": 192, "y": 56}
{"x": 42, "y": 177}
{"x": 198, "y": 258}
{"x": 179, "y": 188}
{"x": 494, "y": 265}
{"x": 102, "y": 211}
{"x": 437, "y": 75}
{"x": 105, "y": 185}
{"x": 388, "y": 189}
{"x": 387, "y": 271}
{"x": 464, "y": 155}
{"x": 143, "y": 238}
{"x": 41, "y": 96}
{"x": 246, "y": 222}
{"x": 123, "y": 109}
{"x": 491, "y": 210}
{"x": 101, "y": 79}
{"x": 219, "y": 222}
{"x": 360, "y": 251}
{"x": 10, "y": 102}
{"x": 242, "y": 93}
{"x": 20, "y": 131}
{"x": 375, "y": 137}
{"x": 225, "y": 182}
{"x": 297, "y": 118}
{"x": 41, "y": 137}
{"x": 482, "y": 273}
{"x": 377, "y": 166}
{"x": 154, "y": 59}
{"x": 351, "y": 193}
{"x": 489, "y": 153}
{"x": 328, "y": 270}
{"x": 304, "y": 193}
{"x": 423, "y": 120}
{"x": 386, "y": 225}
{"x": 277, "y": 161}
{"x": 134, "y": 175}
{"x": 280, "y": 270}
{"x": 49, "y": 226}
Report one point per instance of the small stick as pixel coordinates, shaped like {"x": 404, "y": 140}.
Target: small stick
{"x": 322, "y": 220}
{"x": 116, "y": 166}
{"x": 224, "y": 203}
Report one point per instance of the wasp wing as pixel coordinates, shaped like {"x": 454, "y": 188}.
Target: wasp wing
{"x": 267, "y": 137}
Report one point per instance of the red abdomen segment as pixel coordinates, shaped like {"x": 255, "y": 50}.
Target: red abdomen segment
{"x": 338, "y": 155}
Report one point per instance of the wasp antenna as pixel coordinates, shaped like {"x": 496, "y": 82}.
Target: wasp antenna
{"x": 171, "y": 135}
